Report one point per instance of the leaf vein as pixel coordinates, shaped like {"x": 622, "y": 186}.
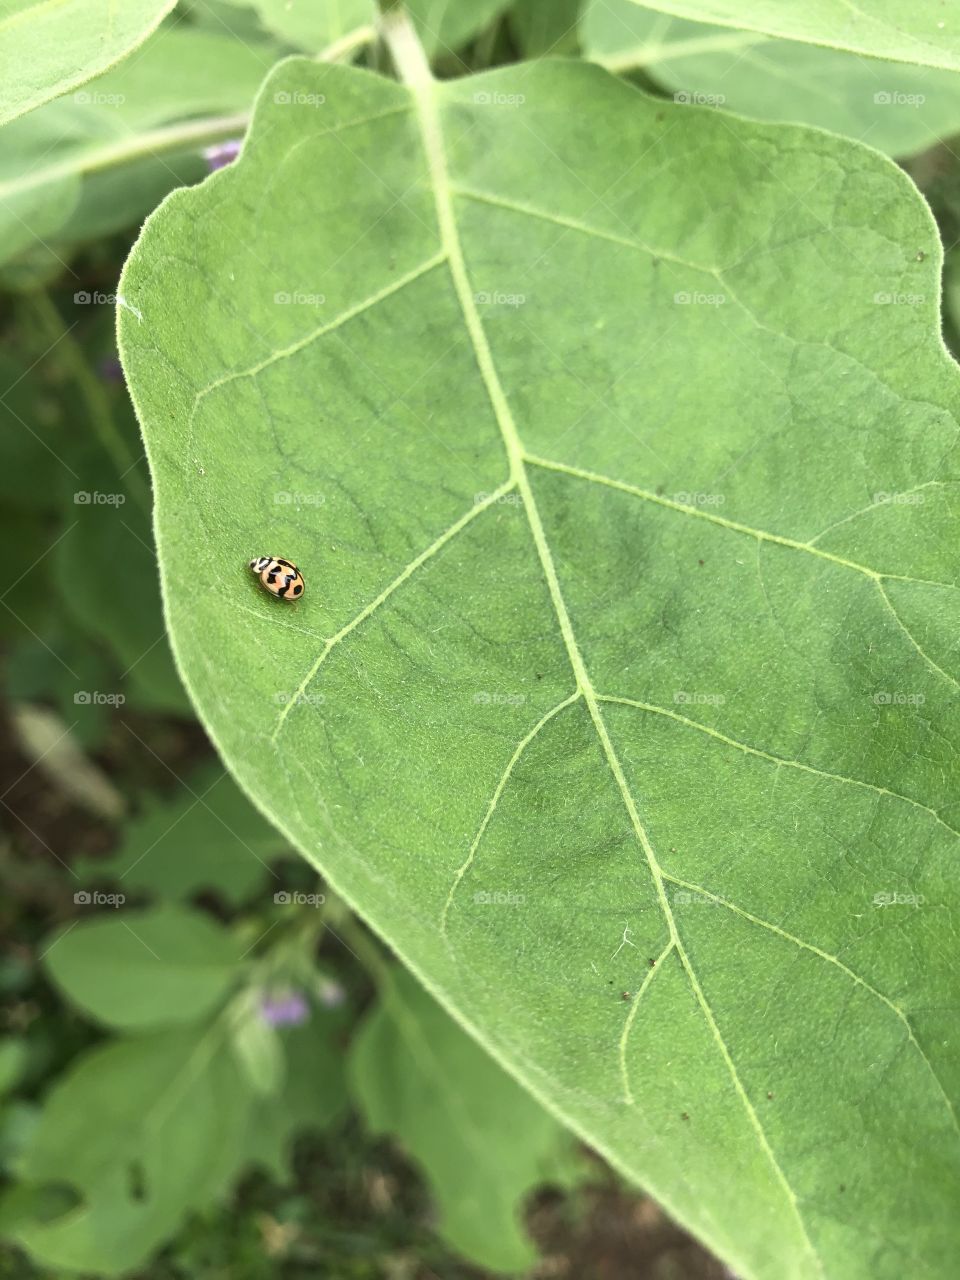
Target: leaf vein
{"x": 414, "y": 69}
{"x": 773, "y": 759}
{"x": 351, "y": 313}
{"x": 735, "y": 526}
{"x": 495, "y": 799}
{"x": 631, "y": 1018}
{"x": 384, "y": 595}
{"x": 834, "y": 960}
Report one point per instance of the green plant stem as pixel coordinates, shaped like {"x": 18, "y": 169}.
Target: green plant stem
{"x": 398, "y": 34}
{"x": 141, "y": 146}
{"x": 341, "y": 50}
{"x": 367, "y": 952}
{"x": 92, "y": 393}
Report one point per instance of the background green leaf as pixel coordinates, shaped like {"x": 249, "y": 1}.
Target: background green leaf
{"x": 47, "y": 49}
{"x": 482, "y": 1140}
{"x": 146, "y": 1130}
{"x": 920, "y": 31}
{"x": 98, "y": 160}
{"x": 446, "y": 25}
{"x": 145, "y": 969}
{"x": 893, "y": 106}
{"x": 207, "y": 836}
{"x": 622, "y": 697}
{"x": 314, "y": 1093}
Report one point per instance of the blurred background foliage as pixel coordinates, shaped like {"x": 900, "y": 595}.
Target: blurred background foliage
{"x": 207, "y": 1067}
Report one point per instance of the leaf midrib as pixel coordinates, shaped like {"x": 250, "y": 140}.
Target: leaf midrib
{"x": 415, "y": 72}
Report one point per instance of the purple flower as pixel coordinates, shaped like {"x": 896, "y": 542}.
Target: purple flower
{"x": 222, "y": 153}
{"x": 288, "y": 1009}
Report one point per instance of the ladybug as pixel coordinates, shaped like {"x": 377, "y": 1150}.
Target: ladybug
{"x": 279, "y": 577}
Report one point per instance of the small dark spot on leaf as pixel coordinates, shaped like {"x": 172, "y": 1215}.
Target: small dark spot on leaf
{"x": 659, "y": 491}
{"x": 769, "y": 1095}
{"x": 625, "y": 995}
{"x": 652, "y": 963}
{"x": 921, "y": 256}
{"x": 700, "y": 562}
{"x": 684, "y": 1115}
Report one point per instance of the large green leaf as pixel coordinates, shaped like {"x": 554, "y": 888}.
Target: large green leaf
{"x": 483, "y": 1142}
{"x": 893, "y": 106}
{"x": 619, "y": 458}
{"x": 47, "y": 48}
{"x": 922, "y": 31}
